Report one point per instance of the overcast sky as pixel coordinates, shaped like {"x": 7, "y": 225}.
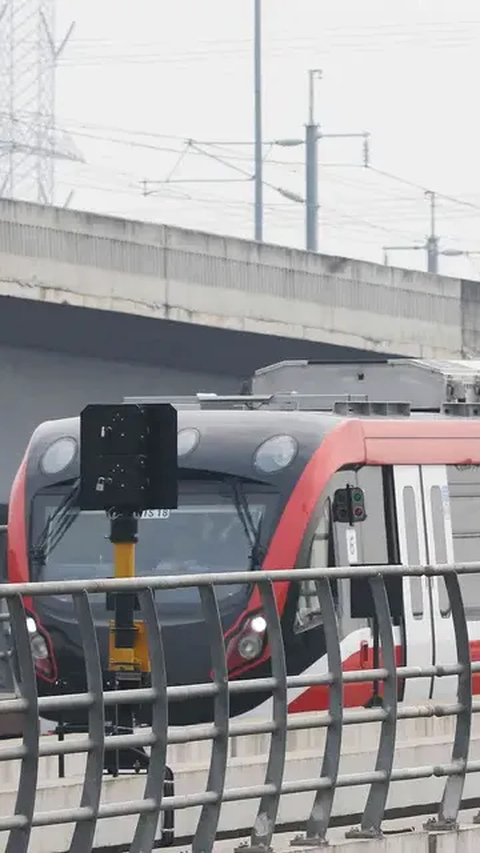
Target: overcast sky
{"x": 139, "y": 79}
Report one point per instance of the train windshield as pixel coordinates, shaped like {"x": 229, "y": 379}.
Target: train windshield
{"x": 218, "y": 527}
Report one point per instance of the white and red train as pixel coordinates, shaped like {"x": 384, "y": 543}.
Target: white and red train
{"x": 262, "y": 479}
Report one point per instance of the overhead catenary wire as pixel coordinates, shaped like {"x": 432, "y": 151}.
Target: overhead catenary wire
{"x": 178, "y": 167}
{"x": 199, "y": 149}
{"x": 353, "y": 201}
{"x": 197, "y": 145}
{"x": 343, "y": 220}
{"x": 442, "y": 35}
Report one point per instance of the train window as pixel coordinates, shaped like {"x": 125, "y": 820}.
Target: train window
{"x": 211, "y": 531}
{"x": 372, "y": 533}
{"x": 413, "y": 549}
{"x": 464, "y": 489}
{"x": 440, "y": 544}
{"x": 309, "y": 614}
{"x": 377, "y": 542}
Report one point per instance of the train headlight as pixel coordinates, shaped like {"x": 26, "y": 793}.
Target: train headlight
{"x": 275, "y": 454}
{"x": 39, "y": 648}
{"x": 258, "y": 624}
{"x": 58, "y": 456}
{"x": 249, "y": 646}
{"x": 45, "y": 665}
{"x": 187, "y": 440}
{"x": 31, "y": 625}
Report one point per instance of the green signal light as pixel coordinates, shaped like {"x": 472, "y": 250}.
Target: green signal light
{"x": 357, "y": 496}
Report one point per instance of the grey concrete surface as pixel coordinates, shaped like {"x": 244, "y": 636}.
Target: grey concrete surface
{"x": 67, "y": 257}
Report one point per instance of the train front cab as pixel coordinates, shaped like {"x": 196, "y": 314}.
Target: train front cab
{"x": 421, "y": 481}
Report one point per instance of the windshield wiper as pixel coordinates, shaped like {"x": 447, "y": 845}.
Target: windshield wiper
{"x": 56, "y": 526}
{"x": 244, "y": 513}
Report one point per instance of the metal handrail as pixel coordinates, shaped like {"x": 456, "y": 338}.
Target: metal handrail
{"x": 159, "y": 736}
{"x": 104, "y": 585}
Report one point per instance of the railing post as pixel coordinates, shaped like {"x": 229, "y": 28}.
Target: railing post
{"x": 319, "y": 820}
{"x": 155, "y": 787}
{"x": 19, "y": 838}
{"x": 377, "y": 798}
{"x": 206, "y": 831}
{"x": 264, "y": 825}
{"x": 61, "y": 738}
{"x": 452, "y": 795}
{"x": 84, "y": 833}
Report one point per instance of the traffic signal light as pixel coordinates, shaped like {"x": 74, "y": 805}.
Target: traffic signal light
{"x": 128, "y": 457}
{"x": 349, "y": 505}
{"x": 357, "y": 498}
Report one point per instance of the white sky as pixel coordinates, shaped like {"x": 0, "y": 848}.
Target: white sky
{"x": 155, "y": 73}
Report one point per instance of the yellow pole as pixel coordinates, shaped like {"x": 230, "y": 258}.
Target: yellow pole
{"x": 135, "y": 657}
{"x": 124, "y": 559}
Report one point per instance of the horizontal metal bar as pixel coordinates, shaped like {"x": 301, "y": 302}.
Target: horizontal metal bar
{"x": 79, "y": 814}
{"x": 191, "y": 691}
{"x": 143, "y": 695}
{"x": 185, "y": 692}
{"x": 103, "y": 585}
{"x": 306, "y": 785}
{"x": 143, "y": 806}
{"x": 52, "y": 746}
{"x": 193, "y": 734}
{"x": 313, "y": 680}
{"x": 353, "y": 676}
{"x": 297, "y": 722}
{"x": 13, "y": 706}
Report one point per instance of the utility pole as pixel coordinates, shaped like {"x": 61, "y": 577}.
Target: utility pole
{"x": 431, "y": 245}
{"x": 432, "y": 240}
{"x": 313, "y": 134}
{"x": 311, "y": 165}
{"x": 310, "y": 140}
{"x": 258, "y": 121}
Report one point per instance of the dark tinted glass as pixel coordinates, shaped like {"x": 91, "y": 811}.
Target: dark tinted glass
{"x": 464, "y": 488}
{"x": 209, "y": 532}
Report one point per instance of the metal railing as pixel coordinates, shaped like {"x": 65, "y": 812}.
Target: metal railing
{"x": 159, "y": 736}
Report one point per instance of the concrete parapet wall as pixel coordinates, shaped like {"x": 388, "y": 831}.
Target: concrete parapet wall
{"x": 422, "y": 742}
{"x": 92, "y": 261}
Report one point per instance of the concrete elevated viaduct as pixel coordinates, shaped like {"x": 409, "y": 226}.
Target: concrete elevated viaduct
{"x": 94, "y": 308}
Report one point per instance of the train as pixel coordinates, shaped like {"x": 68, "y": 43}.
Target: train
{"x": 313, "y": 464}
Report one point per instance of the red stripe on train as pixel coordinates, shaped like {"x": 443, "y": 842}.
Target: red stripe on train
{"x": 357, "y": 695}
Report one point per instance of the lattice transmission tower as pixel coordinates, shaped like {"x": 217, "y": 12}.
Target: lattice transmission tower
{"x": 30, "y": 143}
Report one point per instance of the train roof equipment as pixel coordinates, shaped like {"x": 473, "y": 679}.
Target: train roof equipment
{"x": 389, "y": 388}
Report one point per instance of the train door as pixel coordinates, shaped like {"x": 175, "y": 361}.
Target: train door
{"x": 417, "y": 594}
{"x": 439, "y": 542}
